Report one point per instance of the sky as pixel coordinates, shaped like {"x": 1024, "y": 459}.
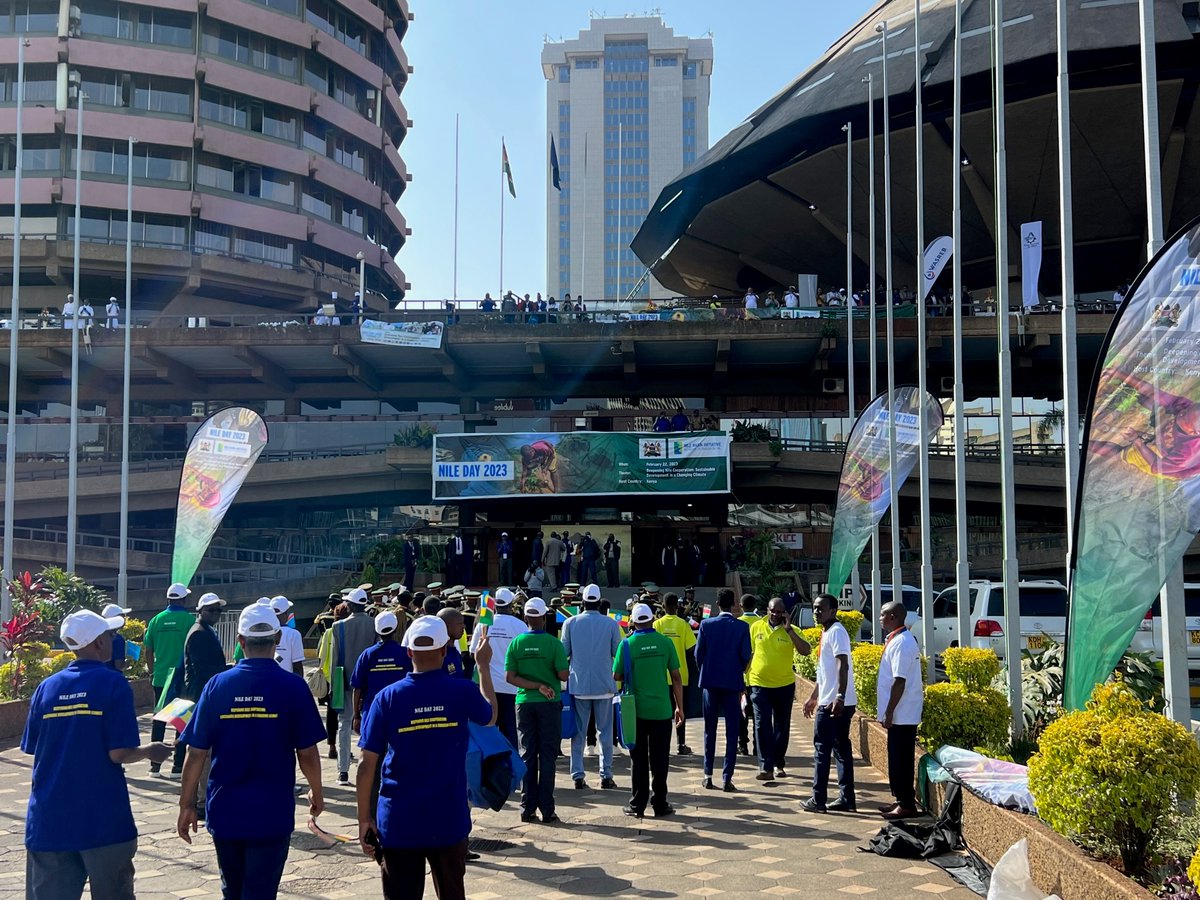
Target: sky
{"x": 481, "y": 60}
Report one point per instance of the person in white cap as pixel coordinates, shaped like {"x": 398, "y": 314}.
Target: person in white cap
{"x": 203, "y": 655}
{"x": 648, "y": 666}
{"x": 112, "y": 314}
{"x": 81, "y": 730}
{"x": 162, "y": 649}
{"x": 114, "y": 611}
{"x": 500, "y": 634}
{"x": 422, "y": 814}
{"x": 253, "y": 722}
{"x": 351, "y": 636}
{"x": 536, "y": 665}
{"x": 380, "y": 665}
{"x": 290, "y": 652}
{"x": 591, "y": 640}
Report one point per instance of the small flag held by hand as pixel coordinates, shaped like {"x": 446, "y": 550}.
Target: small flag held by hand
{"x": 487, "y": 609}
{"x": 177, "y": 713}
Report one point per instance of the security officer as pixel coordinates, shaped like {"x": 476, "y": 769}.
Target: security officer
{"x": 253, "y": 721}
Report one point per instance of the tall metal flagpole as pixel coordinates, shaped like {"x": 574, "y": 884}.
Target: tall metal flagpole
{"x": 849, "y": 129}
{"x": 503, "y": 175}
{"x": 73, "y": 449}
{"x": 583, "y": 202}
{"x": 1012, "y": 602}
{"x": 620, "y": 204}
{"x": 962, "y": 569}
{"x": 10, "y": 447}
{"x": 876, "y": 574}
{"x": 922, "y": 378}
{"x": 455, "y": 287}
{"x": 123, "y": 559}
{"x": 893, "y": 482}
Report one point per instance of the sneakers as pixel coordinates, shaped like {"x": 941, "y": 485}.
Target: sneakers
{"x": 590, "y": 750}
{"x": 842, "y": 806}
{"x": 683, "y": 750}
{"x": 529, "y": 817}
{"x": 664, "y": 811}
{"x": 812, "y": 806}
{"x": 343, "y": 778}
{"x": 155, "y": 768}
{"x": 550, "y": 818}
{"x": 607, "y": 784}
{"x": 779, "y": 773}
{"x": 631, "y": 812}
{"x": 580, "y": 784}
{"x": 174, "y": 774}
{"x": 763, "y": 775}
{"x": 707, "y": 783}
{"x": 729, "y": 788}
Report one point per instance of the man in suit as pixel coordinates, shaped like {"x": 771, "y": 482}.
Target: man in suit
{"x": 552, "y": 559}
{"x": 412, "y": 555}
{"x": 722, "y": 654}
{"x": 458, "y": 562}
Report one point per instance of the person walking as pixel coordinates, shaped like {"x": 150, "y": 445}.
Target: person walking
{"x": 552, "y": 559}
{"x": 749, "y": 609}
{"x": 412, "y": 556}
{"x": 590, "y": 640}
{"x": 504, "y": 551}
{"x": 901, "y": 696}
{"x": 81, "y": 730}
{"x": 832, "y": 703}
{"x": 421, "y": 814}
{"x": 722, "y": 654}
{"x": 351, "y": 636}
{"x": 772, "y": 680}
{"x": 162, "y": 648}
{"x": 289, "y": 654}
{"x": 673, "y": 626}
{"x": 203, "y": 659}
{"x": 251, "y": 726}
{"x": 382, "y": 664}
{"x": 649, "y": 657}
{"x": 501, "y": 633}
{"x": 536, "y": 664}
{"x": 612, "y": 561}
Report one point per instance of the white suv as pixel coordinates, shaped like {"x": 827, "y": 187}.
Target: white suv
{"x": 1148, "y": 638}
{"x": 1043, "y": 616}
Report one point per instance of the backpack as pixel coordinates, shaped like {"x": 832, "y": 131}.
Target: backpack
{"x": 494, "y": 768}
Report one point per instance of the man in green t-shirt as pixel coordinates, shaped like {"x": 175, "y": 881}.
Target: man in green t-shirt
{"x": 163, "y": 649}
{"x": 536, "y": 665}
{"x": 651, "y": 657}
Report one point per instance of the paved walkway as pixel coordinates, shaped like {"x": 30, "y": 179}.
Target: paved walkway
{"x": 729, "y": 845}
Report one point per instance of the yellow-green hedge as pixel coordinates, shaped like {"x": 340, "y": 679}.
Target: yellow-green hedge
{"x": 806, "y": 666}
{"x": 975, "y": 668}
{"x": 866, "y": 658}
{"x": 1111, "y": 774}
{"x": 954, "y": 714}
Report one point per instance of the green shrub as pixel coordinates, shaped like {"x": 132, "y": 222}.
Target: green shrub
{"x": 852, "y": 621}
{"x": 955, "y": 714}
{"x": 1194, "y": 869}
{"x": 971, "y": 667}
{"x": 61, "y": 661}
{"x": 806, "y": 666}
{"x": 1111, "y": 774}
{"x": 866, "y": 658}
{"x": 19, "y": 679}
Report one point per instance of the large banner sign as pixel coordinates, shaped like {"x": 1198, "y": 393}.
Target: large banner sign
{"x": 402, "y": 334}
{"x": 579, "y": 463}
{"x": 1139, "y": 491}
{"x": 221, "y": 455}
{"x": 1031, "y": 262}
{"x": 864, "y": 489}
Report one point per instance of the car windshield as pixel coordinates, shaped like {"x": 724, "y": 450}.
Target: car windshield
{"x": 1191, "y": 604}
{"x": 910, "y": 595}
{"x": 1035, "y": 601}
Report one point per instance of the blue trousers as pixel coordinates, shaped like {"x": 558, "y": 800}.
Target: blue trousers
{"x": 831, "y": 739}
{"x": 726, "y": 704}
{"x": 250, "y": 870}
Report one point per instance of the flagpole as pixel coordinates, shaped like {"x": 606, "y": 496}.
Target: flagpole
{"x": 1012, "y": 601}
{"x": 893, "y": 483}
{"x": 962, "y": 568}
{"x": 73, "y": 449}
{"x": 502, "y": 177}
{"x": 849, "y": 129}
{"x": 456, "y": 212}
{"x": 10, "y": 448}
{"x": 876, "y": 572}
{"x": 583, "y": 204}
{"x": 620, "y": 202}
{"x": 922, "y": 366}
{"x": 123, "y": 554}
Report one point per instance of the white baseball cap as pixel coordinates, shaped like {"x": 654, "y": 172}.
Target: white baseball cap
{"x": 642, "y": 614}
{"x": 177, "y": 591}
{"x": 209, "y": 599}
{"x": 263, "y": 601}
{"x": 503, "y": 596}
{"x": 112, "y": 610}
{"x": 280, "y": 604}
{"x": 535, "y": 606}
{"x": 358, "y": 596}
{"x": 257, "y": 620}
{"x": 591, "y": 592}
{"x": 426, "y": 633}
{"x": 386, "y": 622}
{"x": 83, "y": 626}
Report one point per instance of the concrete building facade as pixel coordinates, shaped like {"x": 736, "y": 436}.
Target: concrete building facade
{"x": 627, "y": 104}
{"x": 267, "y": 155}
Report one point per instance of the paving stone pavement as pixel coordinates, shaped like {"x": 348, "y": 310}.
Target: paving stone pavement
{"x": 754, "y": 842}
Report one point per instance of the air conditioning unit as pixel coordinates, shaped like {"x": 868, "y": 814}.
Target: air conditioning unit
{"x": 833, "y": 385}
{"x": 947, "y": 385}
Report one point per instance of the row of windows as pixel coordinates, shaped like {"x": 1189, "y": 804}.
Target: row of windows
{"x": 627, "y": 221}
{"x": 689, "y": 157}
{"x": 41, "y": 84}
{"x": 144, "y": 24}
{"x": 334, "y": 81}
{"x": 666, "y": 61}
{"x": 626, "y": 65}
{"x": 637, "y": 186}
{"x": 107, "y": 157}
{"x": 148, "y": 93}
{"x": 620, "y": 102}
{"x": 626, "y": 86}
{"x": 345, "y": 26}
{"x": 269, "y": 119}
{"x": 624, "y": 153}
{"x": 590, "y": 63}
{"x": 249, "y": 49}
{"x": 628, "y": 169}
{"x": 689, "y": 105}
{"x": 627, "y": 202}
{"x": 29, "y": 17}
{"x": 628, "y": 120}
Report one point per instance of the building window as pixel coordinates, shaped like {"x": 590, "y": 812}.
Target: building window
{"x": 149, "y": 229}
{"x": 245, "y": 179}
{"x": 211, "y": 237}
{"x": 29, "y": 17}
{"x": 291, "y": 7}
{"x": 40, "y": 83}
{"x": 147, "y": 93}
{"x": 334, "y": 81}
{"x": 237, "y": 111}
{"x": 39, "y": 153}
{"x": 689, "y": 71}
{"x": 150, "y": 162}
{"x": 339, "y": 23}
{"x": 128, "y": 22}
{"x": 269, "y": 248}
{"x": 661, "y": 62}
{"x": 564, "y": 74}
{"x": 318, "y": 201}
{"x": 249, "y": 49}
{"x": 590, "y": 63}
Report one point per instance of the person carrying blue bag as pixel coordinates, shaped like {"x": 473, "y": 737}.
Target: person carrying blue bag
{"x": 591, "y": 640}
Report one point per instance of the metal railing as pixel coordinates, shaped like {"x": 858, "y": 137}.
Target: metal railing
{"x": 1032, "y": 454}
{"x": 226, "y": 578}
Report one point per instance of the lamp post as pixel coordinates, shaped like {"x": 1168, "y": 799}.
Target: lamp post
{"x": 362, "y": 284}
{"x": 848, "y": 128}
{"x": 869, "y": 81}
{"x": 73, "y": 449}
{"x": 123, "y": 559}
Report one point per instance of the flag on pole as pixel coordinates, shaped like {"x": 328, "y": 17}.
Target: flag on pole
{"x": 555, "y": 174}
{"x": 1031, "y": 262}
{"x": 487, "y": 609}
{"x": 512, "y": 188}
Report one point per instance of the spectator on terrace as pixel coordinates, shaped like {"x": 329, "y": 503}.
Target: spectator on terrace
{"x": 662, "y": 423}
{"x": 487, "y": 305}
{"x": 771, "y": 302}
{"x": 679, "y": 421}
{"x": 552, "y": 309}
{"x": 508, "y": 306}
{"x": 452, "y": 317}
{"x": 751, "y": 299}
{"x": 790, "y": 300}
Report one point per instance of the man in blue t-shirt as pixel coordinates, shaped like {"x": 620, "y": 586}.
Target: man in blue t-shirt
{"x": 117, "y": 660}
{"x": 455, "y": 628}
{"x": 382, "y": 664}
{"x": 422, "y": 813}
{"x": 81, "y": 730}
{"x": 254, "y": 721}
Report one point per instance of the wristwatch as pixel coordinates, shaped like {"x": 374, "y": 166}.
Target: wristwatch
{"x": 842, "y": 697}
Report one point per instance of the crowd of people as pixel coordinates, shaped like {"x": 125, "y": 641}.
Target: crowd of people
{"x": 412, "y": 673}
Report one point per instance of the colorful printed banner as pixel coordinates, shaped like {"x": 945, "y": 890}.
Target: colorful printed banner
{"x": 1139, "y": 488}
{"x": 402, "y": 334}
{"x": 220, "y": 456}
{"x": 865, "y": 486}
{"x": 937, "y": 254}
{"x": 579, "y": 463}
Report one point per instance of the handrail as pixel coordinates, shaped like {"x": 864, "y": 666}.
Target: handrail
{"x": 1049, "y": 454}
{"x": 227, "y": 577}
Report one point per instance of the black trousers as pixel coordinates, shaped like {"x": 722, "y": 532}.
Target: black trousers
{"x": 680, "y": 730}
{"x": 506, "y": 717}
{"x": 901, "y": 748}
{"x": 831, "y": 739}
{"x": 651, "y": 757}
{"x": 250, "y": 870}
{"x": 331, "y": 724}
{"x": 772, "y": 723}
{"x": 612, "y": 570}
{"x": 539, "y": 726}
{"x": 404, "y": 872}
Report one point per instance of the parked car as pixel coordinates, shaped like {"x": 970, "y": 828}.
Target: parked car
{"x": 1043, "y": 616}
{"x": 912, "y": 605}
{"x": 1148, "y": 638}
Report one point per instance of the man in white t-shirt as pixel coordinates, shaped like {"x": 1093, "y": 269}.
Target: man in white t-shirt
{"x": 901, "y": 698}
{"x": 832, "y": 702}
{"x": 500, "y": 634}
{"x": 751, "y": 299}
{"x": 790, "y": 299}
{"x": 289, "y": 652}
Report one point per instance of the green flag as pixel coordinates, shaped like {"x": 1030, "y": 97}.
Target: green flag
{"x": 512, "y": 188}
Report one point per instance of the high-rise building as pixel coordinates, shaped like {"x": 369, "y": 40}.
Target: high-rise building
{"x": 627, "y": 105}
{"x": 267, "y": 163}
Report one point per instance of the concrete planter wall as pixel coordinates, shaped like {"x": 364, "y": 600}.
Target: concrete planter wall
{"x": 1057, "y": 865}
{"x": 13, "y": 713}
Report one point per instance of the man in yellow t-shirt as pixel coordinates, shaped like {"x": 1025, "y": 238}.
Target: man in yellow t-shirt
{"x": 671, "y": 625}
{"x": 772, "y": 685}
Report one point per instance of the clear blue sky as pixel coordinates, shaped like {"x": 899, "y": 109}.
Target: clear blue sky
{"x": 482, "y": 60}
